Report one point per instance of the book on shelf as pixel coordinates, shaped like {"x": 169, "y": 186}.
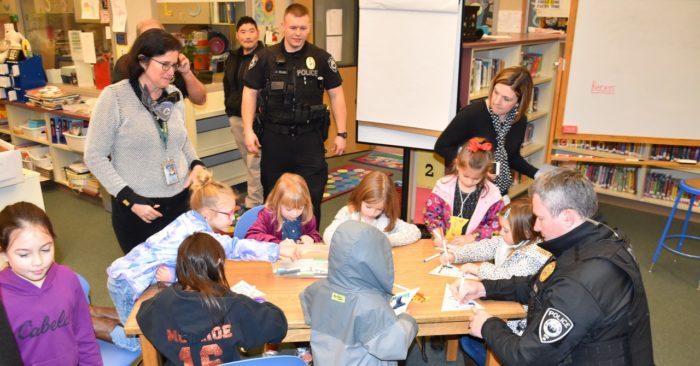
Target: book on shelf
{"x": 672, "y": 152}
{"x": 614, "y": 178}
{"x": 620, "y": 148}
{"x": 532, "y": 62}
{"x": 483, "y": 70}
{"x": 529, "y": 132}
{"x": 663, "y": 187}
{"x": 535, "y": 97}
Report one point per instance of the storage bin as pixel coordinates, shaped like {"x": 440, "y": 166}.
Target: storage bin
{"x": 36, "y": 132}
{"x": 74, "y": 142}
{"x": 41, "y": 161}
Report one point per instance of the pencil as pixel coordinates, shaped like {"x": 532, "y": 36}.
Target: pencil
{"x": 432, "y": 257}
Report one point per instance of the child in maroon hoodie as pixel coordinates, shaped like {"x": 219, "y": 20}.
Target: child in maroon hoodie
{"x": 45, "y": 304}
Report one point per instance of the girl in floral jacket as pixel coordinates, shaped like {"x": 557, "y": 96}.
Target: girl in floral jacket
{"x": 464, "y": 203}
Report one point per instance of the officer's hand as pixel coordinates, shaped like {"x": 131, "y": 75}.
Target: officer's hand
{"x": 465, "y": 290}
{"x": 252, "y": 143}
{"x": 339, "y": 147}
{"x": 184, "y": 68}
{"x": 477, "y": 321}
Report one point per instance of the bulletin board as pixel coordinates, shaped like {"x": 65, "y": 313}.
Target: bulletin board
{"x": 630, "y": 72}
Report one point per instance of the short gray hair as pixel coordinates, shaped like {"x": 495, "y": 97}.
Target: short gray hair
{"x": 562, "y": 189}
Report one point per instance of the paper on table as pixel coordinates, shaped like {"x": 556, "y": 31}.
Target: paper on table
{"x": 451, "y": 271}
{"x": 244, "y": 288}
{"x": 449, "y": 303}
{"x": 400, "y": 301}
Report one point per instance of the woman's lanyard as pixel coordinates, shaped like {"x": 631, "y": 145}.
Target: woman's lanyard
{"x": 159, "y": 109}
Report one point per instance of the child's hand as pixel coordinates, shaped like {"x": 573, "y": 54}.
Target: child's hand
{"x": 447, "y": 258}
{"x": 291, "y": 251}
{"x": 306, "y": 240}
{"x": 288, "y": 242}
{"x": 470, "y": 268}
{"x": 463, "y": 239}
{"x": 164, "y": 274}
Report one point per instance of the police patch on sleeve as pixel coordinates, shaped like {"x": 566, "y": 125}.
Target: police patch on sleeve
{"x": 554, "y": 326}
{"x": 253, "y": 62}
{"x": 332, "y": 65}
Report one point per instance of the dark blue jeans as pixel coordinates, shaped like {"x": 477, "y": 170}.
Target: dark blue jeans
{"x": 474, "y": 348}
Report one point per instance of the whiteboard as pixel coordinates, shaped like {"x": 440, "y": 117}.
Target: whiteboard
{"x": 633, "y": 69}
{"x": 408, "y": 67}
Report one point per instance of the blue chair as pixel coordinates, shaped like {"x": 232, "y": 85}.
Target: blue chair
{"x": 245, "y": 221}
{"x": 111, "y": 354}
{"x": 692, "y": 188}
{"x": 269, "y": 361}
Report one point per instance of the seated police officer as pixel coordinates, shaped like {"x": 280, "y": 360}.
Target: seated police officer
{"x": 587, "y": 305}
{"x": 289, "y": 79}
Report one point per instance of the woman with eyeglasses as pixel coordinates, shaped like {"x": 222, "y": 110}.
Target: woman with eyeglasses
{"x": 137, "y": 144}
{"x": 154, "y": 260}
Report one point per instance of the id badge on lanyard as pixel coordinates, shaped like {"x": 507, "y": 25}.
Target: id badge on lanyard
{"x": 456, "y": 225}
{"x": 170, "y": 171}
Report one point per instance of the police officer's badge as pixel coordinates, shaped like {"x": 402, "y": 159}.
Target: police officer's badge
{"x": 253, "y": 62}
{"x": 554, "y": 326}
{"x": 547, "y": 271}
{"x": 332, "y": 65}
{"x": 310, "y": 63}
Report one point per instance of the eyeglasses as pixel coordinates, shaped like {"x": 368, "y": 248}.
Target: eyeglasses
{"x": 231, "y": 214}
{"x": 166, "y": 66}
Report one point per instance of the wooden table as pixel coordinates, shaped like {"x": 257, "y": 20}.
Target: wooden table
{"x": 410, "y": 271}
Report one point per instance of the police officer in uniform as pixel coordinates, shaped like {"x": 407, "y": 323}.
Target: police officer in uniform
{"x": 290, "y": 78}
{"x": 587, "y": 305}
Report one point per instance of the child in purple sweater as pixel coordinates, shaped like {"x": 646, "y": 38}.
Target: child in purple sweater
{"x": 45, "y": 304}
{"x": 288, "y": 214}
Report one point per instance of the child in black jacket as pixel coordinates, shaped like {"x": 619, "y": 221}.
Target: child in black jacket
{"x": 199, "y": 318}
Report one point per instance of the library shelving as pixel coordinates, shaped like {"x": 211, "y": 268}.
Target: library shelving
{"x": 656, "y": 173}
{"x": 44, "y": 139}
{"x": 475, "y": 79}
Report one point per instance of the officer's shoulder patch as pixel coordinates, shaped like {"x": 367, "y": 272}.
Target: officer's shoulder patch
{"x": 331, "y": 64}
{"x": 554, "y": 326}
{"x": 547, "y": 271}
{"x": 253, "y": 62}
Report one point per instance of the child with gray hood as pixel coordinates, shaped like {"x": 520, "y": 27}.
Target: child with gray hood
{"x": 351, "y": 320}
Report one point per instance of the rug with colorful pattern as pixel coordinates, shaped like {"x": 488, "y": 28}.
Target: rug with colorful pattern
{"x": 381, "y": 159}
{"x": 344, "y": 179}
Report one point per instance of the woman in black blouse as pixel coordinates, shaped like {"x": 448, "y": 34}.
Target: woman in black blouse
{"x": 501, "y": 119}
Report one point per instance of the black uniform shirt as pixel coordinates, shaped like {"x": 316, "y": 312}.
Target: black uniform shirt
{"x": 309, "y": 62}
{"x": 578, "y": 303}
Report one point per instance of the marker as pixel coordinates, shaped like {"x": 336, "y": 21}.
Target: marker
{"x": 284, "y": 271}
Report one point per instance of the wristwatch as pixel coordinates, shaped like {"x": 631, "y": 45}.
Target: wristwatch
{"x": 343, "y": 135}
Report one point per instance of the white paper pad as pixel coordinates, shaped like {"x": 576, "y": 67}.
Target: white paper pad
{"x": 244, "y": 288}
{"x": 449, "y": 303}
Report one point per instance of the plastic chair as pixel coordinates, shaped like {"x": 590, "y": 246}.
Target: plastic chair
{"x": 111, "y": 354}
{"x": 245, "y": 221}
{"x": 692, "y": 188}
{"x": 270, "y": 361}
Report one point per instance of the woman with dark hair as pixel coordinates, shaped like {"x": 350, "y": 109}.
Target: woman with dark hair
{"x": 501, "y": 119}
{"x": 204, "y": 317}
{"x": 137, "y": 144}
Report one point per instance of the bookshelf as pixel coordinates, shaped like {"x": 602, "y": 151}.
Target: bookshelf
{"x": 656, "y": 175}
{"x": 53, "y": 154}
{"x": 506, "y": 53}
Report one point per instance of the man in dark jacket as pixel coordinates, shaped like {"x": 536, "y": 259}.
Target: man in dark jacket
{"x": 236, "y": 65}
{"x": 587, "y": 305}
